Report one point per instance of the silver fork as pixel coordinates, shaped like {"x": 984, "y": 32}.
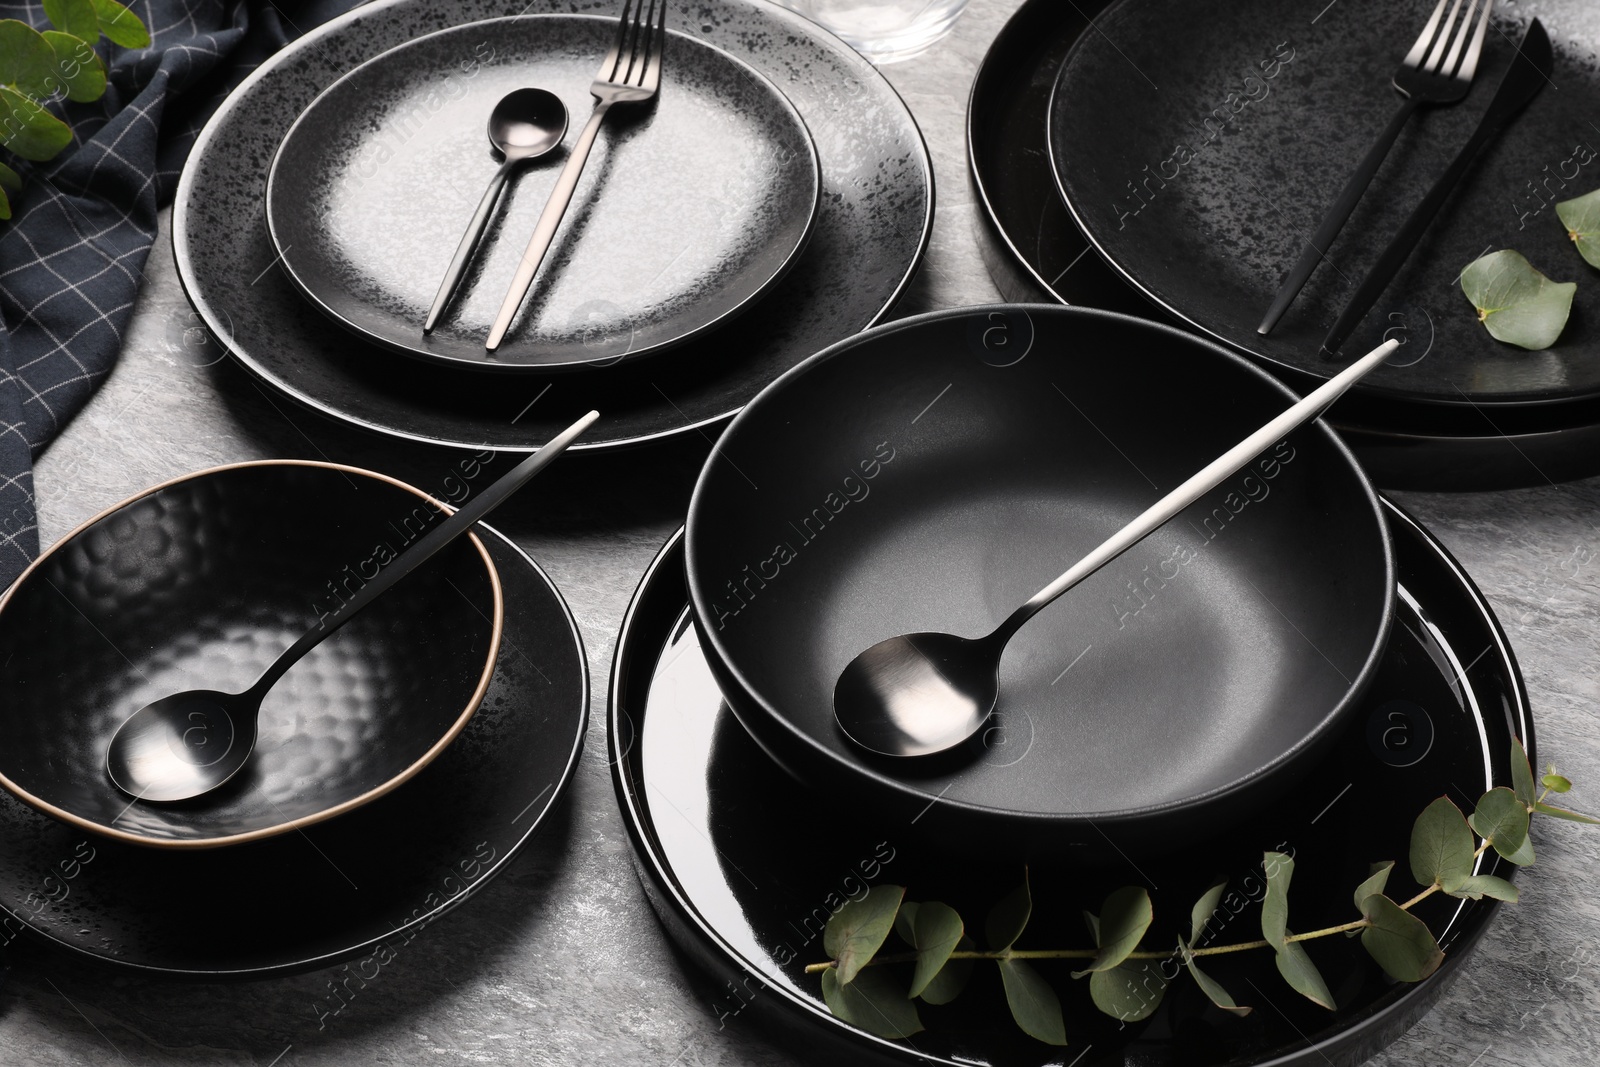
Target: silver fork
{"x": 630, "y": 74}
{"x": 1437, "y": 71}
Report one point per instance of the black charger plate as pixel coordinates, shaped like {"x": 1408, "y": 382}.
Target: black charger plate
{"x": 373, "y": 877}
{"x": 869, "y": 236}
{"x": 742, "y": 865}
{"x": 1032, "y": 246}
{"x": 689, "y": 209}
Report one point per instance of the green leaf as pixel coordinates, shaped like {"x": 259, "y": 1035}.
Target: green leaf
{"x": 120, "y": 25}
{"x": 1522, "y": 774}
{"x": 905, "y": 922}
{"x": 937, "y": 930}
{"x": 26, "y": 59}
{"x": 1302, "y": 975}
{"x": 1516, "y": 303}
{"x": 1375, "y": 883}
{"x": 76, "y": 67}
{"x": 1203, "y": 910}
{"x": 1212, "y": 988}
{"x": 952, "y": 977}
{"x": 1553, "y": 781}
{"x": 10, "y": 180}
{"x": 1401, "y": 943}
{"x": 1501, "y": 819}
{"x": 1275, "y": 907}
{"x": 28, "y": 129}
{"x": 1034, "y": 1004}
{"x": 873, "y": 1002}
{"x": 1124, "y": 918}
{"x": 1130, "y": 991}
{"x": 1581, "y": 217}
{"x": 1441, "y": 845}
{"x": 1010, "y": 917}
{"x": 858, "y": 929}
{"x": 1487, "y": 885}
{"x": 1563, "y": 813}
{"x": 76, "y": 17}
{"x": 5, "y": 205}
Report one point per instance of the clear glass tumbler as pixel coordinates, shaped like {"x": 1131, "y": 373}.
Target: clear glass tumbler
{"x": 885, "y": 31}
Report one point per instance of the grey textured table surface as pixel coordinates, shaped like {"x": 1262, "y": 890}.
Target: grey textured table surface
{"x": 561, "y": 960}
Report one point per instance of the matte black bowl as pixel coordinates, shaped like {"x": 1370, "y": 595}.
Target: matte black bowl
{"x": 200, "y": 583}
{"x": 934, "y": 473}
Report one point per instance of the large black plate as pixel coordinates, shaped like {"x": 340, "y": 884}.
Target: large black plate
{"x": 366, "y": 881}
{"x": 742, "y": 865}
{"x": 689, "y": 209}
{"x": 877, "y": 207}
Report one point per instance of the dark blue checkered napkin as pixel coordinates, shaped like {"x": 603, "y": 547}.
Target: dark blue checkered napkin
{"x": 73, "y": 253}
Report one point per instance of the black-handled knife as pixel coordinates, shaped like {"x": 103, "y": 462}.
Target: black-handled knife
{"x": 1530, "y": 72}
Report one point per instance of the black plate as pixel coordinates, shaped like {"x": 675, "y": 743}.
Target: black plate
{"x": 742, "y": 865}
{"x": 708, "y": 197}
{"x": 339, "y": 889}
{"x": 1033, "y": 247}
{"x": 876, "y": 211}
{"x": 1260, "y": 113}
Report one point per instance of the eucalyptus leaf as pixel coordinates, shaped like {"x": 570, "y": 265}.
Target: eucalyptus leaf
{"x": 10, "y": 180}
{"x": 1516, "y": 303}
{"x": 859, "y": 928}
{"x": 1375, "y": 883}
{"x": 952, "y": 977}
{"x": 1203, "y": 910}
{"x": 120, "y": 25}
{"x": 26, "y": 59}
{"x": 938, "y": 931}
{"x": 5, "y": 205}
{"x": 1501, "y": 820}
{"x": 1124, "y": 918}
{"x": 28, "y": 129}
{"x": 1302, "y": 975}
{"x": 1522, "y": 774}
{"x": 1401, "y": 943}
{"x": 1034, "y": 1004}
{"x": 1581, "y": 217}
{"x": 1563, "y": 813}
{"x": 1010, "y": 917}
{"x": 1487, "y": 885}
{"x": 1130, "y": 991}
{"x": 1275, "y": 907}
{"x": 873, "y": 1002}
{"x": 1553, "y": 781}
{"x": 905, "y": 922}
{"x": 76, "y": 17}
{"x": 1212, "y": 988}
{"x": 1441, "y": 845}
{"x": 77, "y": 68}
{"x": 1524, "y": 855}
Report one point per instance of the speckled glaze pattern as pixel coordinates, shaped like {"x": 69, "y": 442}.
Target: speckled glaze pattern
{"x": 690, "y": 208}
{"x": 201, "y": 584}
{"x": 744, "y": 866}
{"x": 1209, "y": 231}
{"x": 337, "y": 889}
{"x": 872, "y": 225}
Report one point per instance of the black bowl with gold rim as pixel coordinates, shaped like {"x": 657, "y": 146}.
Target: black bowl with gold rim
{"x": 202, "y": 582}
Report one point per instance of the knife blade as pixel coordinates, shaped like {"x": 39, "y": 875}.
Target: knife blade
{"x": 1529, "y": 72}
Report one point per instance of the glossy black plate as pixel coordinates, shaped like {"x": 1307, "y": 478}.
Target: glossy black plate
{"x": 688, "y": 210}
{"x": 743, "y": 866}
{"x": 367, "y": 881}
{"x": 872, "y": 226}
{"x": 1033, "y": 247}
{"x": 1203, "y": 191}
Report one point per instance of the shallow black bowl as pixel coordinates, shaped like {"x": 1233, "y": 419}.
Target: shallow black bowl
{"x": 935, "y": 473}
{"x": 200, "y": 583}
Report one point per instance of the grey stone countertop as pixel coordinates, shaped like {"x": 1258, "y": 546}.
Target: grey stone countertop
{"x": 561, "y": 960}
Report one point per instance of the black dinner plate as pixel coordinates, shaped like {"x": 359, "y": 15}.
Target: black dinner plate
{"x": 1203, "y": 191}
{"x": 868, "y": 238}
{"x": 1033, "y": 247}
{"x": 689, "y": 209}
{"x": 368, "y": 880}
{"x": 743, "y": 866}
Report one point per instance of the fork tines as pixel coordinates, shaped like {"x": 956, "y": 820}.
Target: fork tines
{"x": 1429, "y": 53}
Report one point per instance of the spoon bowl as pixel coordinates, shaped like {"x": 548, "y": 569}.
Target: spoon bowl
{"x": 917, "y": 694}
{"x": 186, "y": 742}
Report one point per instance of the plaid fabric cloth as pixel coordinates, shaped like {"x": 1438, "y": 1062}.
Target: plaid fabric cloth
{"x": 73, "y": 253}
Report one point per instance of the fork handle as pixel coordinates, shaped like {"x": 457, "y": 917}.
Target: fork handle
{"x": 545, "y": 231}
{"x": 1337, "y": 214}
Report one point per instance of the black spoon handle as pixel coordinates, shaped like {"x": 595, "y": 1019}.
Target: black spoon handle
{"x": 423, "y": 550}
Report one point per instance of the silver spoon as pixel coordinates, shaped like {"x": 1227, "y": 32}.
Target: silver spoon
{"x": 190, "y": 743}
{"x": 524, "y": 125}
{"x": 919, "y": 694}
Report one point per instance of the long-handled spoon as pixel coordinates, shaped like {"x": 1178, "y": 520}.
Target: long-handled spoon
{"x": 924, "y": 693}
{"x": 151, "y": 756}
{"x": 524, "y": 125}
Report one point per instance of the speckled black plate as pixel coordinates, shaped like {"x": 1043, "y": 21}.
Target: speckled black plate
{"x": 690, "y": 209}
{"x": 870, "y": 231}
{"x": 366, "y": 882}
{"x": 1203, "y": 191}
{"x": 743, "y": 865}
